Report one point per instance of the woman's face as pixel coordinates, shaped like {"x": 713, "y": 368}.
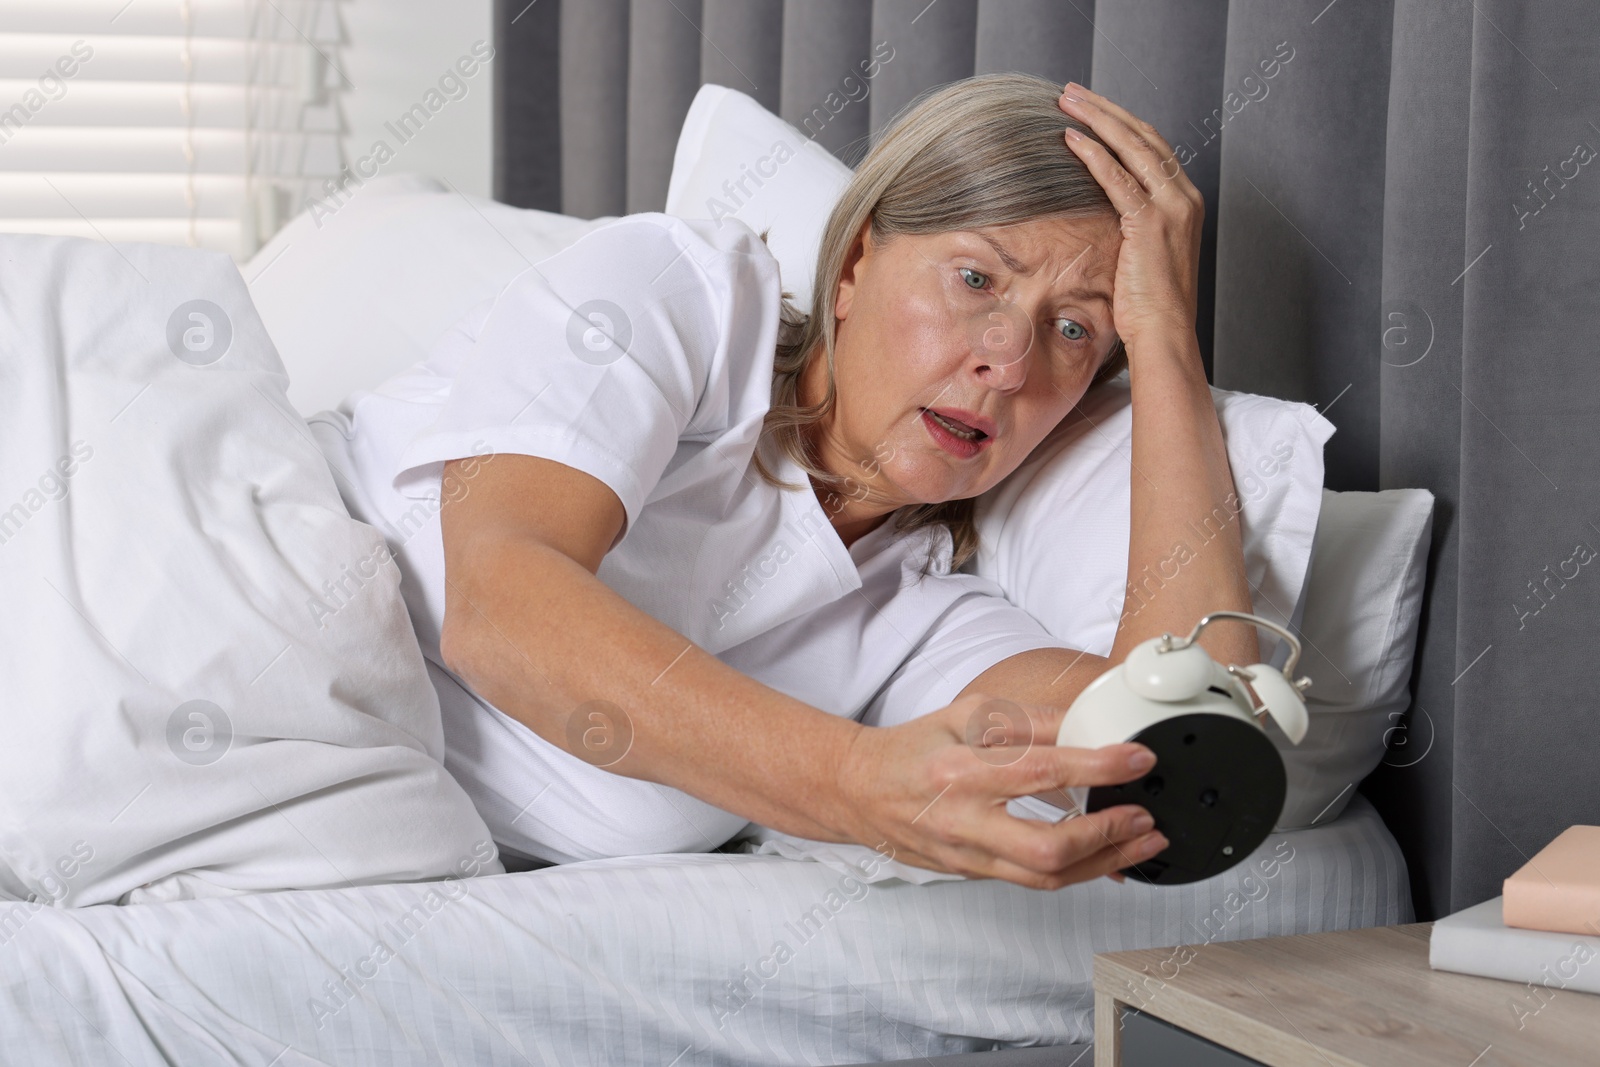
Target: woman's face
{"x": 1004, "y": 327}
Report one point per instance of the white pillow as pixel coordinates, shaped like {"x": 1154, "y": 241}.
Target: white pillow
{"x": 1363, "y": 605}
{"x": 209, "y": 683}
{"x": 1054, "y": 533}
{"x": 353, "y": 299}
{"x": 736, "y": 159}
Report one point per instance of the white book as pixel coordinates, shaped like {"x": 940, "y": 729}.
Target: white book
{"x": 1476, "y": 941}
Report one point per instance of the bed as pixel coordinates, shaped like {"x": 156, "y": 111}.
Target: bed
{"x": 770, "y": 951}
{"x": 648, "y": 960}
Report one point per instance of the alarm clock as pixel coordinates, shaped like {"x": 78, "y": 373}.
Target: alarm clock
{"x": 1218, "y": 784}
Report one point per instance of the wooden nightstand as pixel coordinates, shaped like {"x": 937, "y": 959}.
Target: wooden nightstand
{"x": 1354, "y": 999}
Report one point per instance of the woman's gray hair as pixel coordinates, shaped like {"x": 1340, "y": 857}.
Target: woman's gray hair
{"x": 984, "y": 151}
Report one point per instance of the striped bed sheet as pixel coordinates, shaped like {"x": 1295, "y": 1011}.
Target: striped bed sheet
{"x": 669, "y": 960}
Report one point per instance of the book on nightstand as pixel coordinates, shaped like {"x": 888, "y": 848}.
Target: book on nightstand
{"x": 1559, "y": 889}
{"x": 1477, "y": 941}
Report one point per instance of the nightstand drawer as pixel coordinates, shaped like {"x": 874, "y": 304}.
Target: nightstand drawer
{"x": 1150, "y": 1042}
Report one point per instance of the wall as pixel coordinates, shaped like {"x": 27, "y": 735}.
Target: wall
{"x": 396, "y": 52}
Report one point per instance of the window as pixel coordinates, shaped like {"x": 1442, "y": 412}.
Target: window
{"x": 193, "y": 122}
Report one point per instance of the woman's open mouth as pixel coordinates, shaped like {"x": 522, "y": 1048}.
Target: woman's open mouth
{"x": 954, "y": 436}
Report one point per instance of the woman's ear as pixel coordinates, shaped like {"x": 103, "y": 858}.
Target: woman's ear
{"x": 860, "y": 251}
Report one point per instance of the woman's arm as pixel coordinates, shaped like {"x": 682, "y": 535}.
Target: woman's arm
{"x": 532, "y": 629}
{"x": 1185, "y": 551}
{"x": 1185, "y": 554}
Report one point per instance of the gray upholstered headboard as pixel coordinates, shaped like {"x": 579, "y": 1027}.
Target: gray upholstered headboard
{"x": 1400, "y": 230}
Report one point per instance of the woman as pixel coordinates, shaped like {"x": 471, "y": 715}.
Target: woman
{"x": 648, "y": 628}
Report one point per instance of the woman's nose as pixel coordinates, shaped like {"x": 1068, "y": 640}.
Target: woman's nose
{"x": 1001, "y": 338}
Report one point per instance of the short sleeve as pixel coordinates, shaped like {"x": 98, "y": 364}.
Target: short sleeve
{"x": 645, "y": 331}
{"x": 979, "y": 629}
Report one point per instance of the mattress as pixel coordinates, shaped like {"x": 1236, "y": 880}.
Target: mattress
{"x": 671, "y": 960}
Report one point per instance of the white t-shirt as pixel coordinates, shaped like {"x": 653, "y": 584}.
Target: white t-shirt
{"x": 642, "y": 355}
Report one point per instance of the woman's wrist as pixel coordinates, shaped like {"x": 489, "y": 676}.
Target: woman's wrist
{"x": 1175, "y": 343}
{"x": 827, "y": 811}
{"x": 772, "y": 759}
{"x": 849, "y": 771}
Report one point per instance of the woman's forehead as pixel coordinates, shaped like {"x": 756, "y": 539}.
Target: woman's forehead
{"x": 1053, "y": 235}
{"x": 1075, "y": 253}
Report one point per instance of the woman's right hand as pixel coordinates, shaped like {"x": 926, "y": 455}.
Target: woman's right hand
{"x": 1156, "y": 287}
{"x": 932, "y": 793}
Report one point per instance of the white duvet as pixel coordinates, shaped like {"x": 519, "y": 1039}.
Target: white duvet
{"x": 208, "y": 681}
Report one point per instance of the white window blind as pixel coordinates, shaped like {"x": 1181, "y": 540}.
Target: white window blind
{"x": 194, "y": 122}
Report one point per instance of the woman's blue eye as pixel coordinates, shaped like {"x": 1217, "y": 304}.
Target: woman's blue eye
{"x": 966, "y": 271}
{"x": 1068, "y": 329}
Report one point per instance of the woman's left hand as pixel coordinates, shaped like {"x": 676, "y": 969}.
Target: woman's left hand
{"x": 1158, "y": 269}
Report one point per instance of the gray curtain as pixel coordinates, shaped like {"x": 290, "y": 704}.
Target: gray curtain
{"x": 1401, "y": 230}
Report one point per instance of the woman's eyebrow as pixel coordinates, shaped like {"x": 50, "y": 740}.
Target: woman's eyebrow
{"x": 1005, "y": 257}
{"x": 1093, "y": 294}
{"x": 1103, "y": 295}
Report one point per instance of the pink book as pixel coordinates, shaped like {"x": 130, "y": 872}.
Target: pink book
{"x": 1559, "y": 889}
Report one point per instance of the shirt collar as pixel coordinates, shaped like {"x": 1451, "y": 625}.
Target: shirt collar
{"x": 847, "y": 561}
